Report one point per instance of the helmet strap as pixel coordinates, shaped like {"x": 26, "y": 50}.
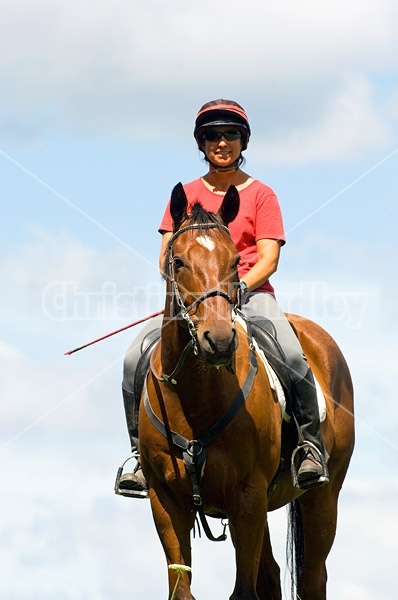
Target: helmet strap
{"x": 233, "y": 167}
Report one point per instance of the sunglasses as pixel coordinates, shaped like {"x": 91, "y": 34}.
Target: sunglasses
{"x": 212, "y": 135}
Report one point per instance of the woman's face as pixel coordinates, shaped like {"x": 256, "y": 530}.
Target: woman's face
{"x": 224, "y": 151}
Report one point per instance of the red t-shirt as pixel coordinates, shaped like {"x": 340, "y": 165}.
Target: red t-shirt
{"x": 259, "y": 217}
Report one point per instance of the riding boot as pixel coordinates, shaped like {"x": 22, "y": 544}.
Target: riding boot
{"x": 131, "y": 484}
{"x": 310, "y": 453}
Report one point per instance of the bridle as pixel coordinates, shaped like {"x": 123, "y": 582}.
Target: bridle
{"x": 177, "y": 298}
{"x": 182, "y": 311}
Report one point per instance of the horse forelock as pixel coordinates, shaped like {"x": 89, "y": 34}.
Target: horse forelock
{"x": 200, "y": 216}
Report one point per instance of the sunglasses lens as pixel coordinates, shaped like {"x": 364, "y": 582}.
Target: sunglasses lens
{"x": 234, "y": 134}
{"x": 212, "y": 135}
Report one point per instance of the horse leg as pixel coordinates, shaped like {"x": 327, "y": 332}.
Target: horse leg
{"x": 174, "y": 523}
{"x": 268, "y": 580}
{"x": 247, "y": 531}
{"x": 318, "y": 508}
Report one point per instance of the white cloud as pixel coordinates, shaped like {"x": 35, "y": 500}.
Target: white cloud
{"x": 61, "y": 294}
{"x": 10, "y": 352}
{"x": 120, "y": 68}
{"x": 69, "y": 534}
{"x": 54, "y": 278}
{"x": 391, "y": 105}
{"x": 349, "y": 127}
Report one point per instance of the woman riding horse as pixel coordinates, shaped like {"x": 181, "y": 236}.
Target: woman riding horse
{"x": 222, "y": 133}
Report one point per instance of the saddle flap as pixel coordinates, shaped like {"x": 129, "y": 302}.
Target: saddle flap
{"x": 147, "y": 345}
{"x": 263, "y": 332}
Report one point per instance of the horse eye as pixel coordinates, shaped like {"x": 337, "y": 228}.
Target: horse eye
{"x": 178, "y": 262}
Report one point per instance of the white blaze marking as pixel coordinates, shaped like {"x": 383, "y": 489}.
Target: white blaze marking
{"x": 206, "y": 242}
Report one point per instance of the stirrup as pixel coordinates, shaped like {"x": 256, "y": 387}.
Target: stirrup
{"x": 126, "y": 492}
{"x": 316, "y": 481}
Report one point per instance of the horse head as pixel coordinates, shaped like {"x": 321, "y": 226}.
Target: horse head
{"x": 201, "y": 270}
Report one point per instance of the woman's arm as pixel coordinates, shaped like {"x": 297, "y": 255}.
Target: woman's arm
{"x": 268, "y": 257}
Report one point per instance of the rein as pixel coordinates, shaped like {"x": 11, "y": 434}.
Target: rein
{"x": 171, "y": 378}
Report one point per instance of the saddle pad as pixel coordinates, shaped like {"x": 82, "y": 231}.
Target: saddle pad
{"x": 277, "y": 386}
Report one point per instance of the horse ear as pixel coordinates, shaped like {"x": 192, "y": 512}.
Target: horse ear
{"x": 178, "y": 205}
{"x": 230, "y": 205}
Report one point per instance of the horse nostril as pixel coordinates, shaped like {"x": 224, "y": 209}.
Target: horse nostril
{"x": 208, "y": 339}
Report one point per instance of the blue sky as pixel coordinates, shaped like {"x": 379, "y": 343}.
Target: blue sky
{"x": 96, "y": 117}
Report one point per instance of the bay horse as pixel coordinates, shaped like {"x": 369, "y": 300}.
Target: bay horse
{"x": 212, "y": 438}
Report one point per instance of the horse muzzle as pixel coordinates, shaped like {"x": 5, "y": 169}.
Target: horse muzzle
{"x": 218, "y": 350}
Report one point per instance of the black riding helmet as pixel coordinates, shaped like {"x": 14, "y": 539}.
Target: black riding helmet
{"x": 222, "y": 112}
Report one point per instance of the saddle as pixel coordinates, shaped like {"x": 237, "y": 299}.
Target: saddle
{"x": 262, "y": 330}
